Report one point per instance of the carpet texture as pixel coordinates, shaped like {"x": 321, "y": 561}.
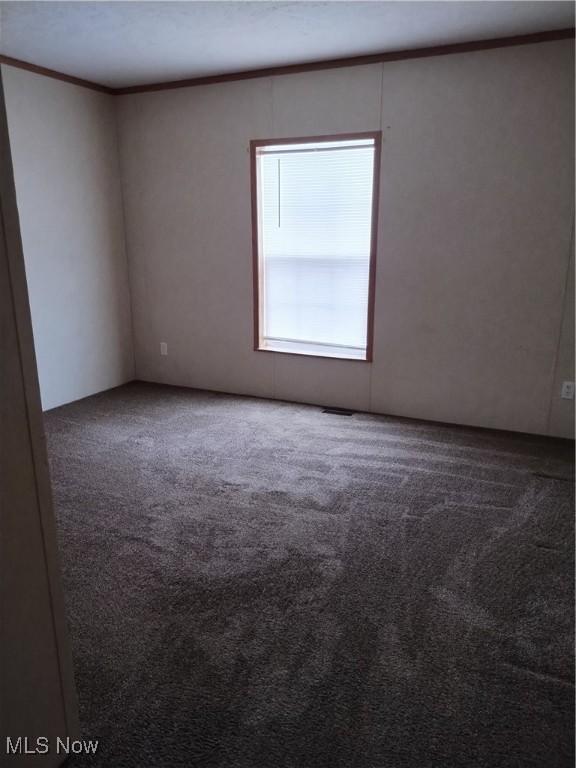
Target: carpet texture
{"x": 257, "y": 584}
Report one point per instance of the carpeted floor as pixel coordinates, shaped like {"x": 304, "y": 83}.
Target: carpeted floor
{"x": 256, "y": 584}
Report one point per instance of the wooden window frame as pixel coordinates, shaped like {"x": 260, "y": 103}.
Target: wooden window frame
{"x": 255, "y": 144}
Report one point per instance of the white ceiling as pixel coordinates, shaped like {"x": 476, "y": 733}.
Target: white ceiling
{"x": 129, "y": 43}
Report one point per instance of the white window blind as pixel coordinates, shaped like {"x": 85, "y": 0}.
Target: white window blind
{"x": 314, "y": 237}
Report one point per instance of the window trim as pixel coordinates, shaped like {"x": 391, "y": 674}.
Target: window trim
{"x": 254, "y": 145}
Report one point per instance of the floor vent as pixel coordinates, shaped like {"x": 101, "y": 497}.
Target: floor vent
{"x": 338, "y": 411}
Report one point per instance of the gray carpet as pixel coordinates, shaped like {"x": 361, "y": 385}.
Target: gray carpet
{"x": 256, "y": 584}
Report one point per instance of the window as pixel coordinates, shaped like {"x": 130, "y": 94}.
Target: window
{"x": 314, "y": 235}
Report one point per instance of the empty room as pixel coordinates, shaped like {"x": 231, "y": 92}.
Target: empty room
{"x": 287, "y": 392}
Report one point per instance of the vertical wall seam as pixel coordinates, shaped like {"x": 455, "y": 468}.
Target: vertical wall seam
{"x": 129, "y": 271}
{"x": 559, "y": 339}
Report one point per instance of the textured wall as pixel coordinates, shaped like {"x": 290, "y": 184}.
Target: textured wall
{"x": 65, "y": 157}
{"x": 474, "y": 234}
{"x": 562, "y": 411}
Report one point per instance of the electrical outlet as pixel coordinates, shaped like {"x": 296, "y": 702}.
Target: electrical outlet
{"x": 567, "y": 390}
{"x": 163, "y": 348}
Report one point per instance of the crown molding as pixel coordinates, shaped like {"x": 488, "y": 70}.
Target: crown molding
{"x": 19, "y": 64}
{"x": 314, "y": 66}
{"x": 355, "y": 61}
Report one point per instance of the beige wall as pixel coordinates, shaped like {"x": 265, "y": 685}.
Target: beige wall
{"x": 37, "y": 693}
{"x": 66, "y": 169}
{"x": 474, "y": 234}
{"x": 562, "y": 411}
{"x": 474, "y": 301}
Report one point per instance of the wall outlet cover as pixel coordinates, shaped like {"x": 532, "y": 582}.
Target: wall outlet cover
{"x": 163, "y": 348}
{"x": 567, "y": 390}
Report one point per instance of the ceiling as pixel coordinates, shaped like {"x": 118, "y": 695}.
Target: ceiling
{"x": 119, "y": 44}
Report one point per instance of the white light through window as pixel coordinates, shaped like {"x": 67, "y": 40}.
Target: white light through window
{"x": 314, "y": 219}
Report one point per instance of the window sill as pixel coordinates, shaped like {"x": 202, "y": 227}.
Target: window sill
{"x": 302, "y": 352}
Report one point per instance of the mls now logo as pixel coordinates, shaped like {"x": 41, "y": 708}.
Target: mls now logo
{"x": 23, "y": 745}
